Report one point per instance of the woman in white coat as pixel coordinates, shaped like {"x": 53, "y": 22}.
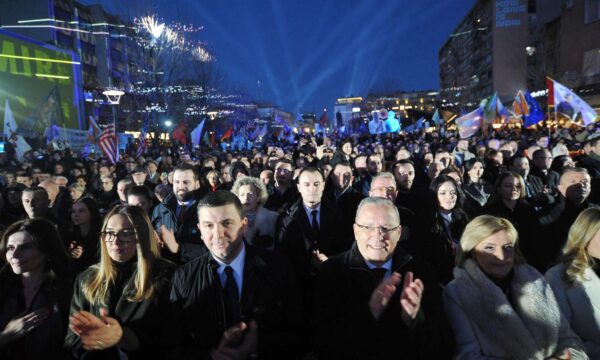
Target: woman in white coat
{"x": 576, "y": 282}
{"x": 262, "y": 223}
{"x": 498, "y": 306}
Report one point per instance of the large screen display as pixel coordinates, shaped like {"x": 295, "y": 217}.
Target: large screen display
{"x": 39, "y": 84}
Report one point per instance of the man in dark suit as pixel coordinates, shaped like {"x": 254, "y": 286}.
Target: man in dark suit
{"x": 285, "y": 192}
{"x": 574, "y": 190}
{"x": 339, "y": 189}
{"x": 376, "y": 301}
{"x": 542, "y": 160}
{"x": 175, "y": 219}
{"x": 233, "y": 282}
{"x": 537, "y": 193}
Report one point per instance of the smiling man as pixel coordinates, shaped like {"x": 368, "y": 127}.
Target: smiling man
{"x": 231, "y": 283}
{"x": 376, "y": 301}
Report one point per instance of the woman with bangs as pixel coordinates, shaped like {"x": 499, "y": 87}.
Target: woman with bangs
{"x": 498, "y": 306}
{"x": 576, "y": 280}
{"x": 115, "y": 306}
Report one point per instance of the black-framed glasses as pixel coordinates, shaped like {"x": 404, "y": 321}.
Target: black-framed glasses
{"x": 125, "y": 236}
{"x": 384, "y": 230}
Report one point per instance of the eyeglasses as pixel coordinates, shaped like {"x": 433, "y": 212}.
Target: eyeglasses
{"x": 386, "y": 189}
{"x": 384, "y": 230}
{"x": 125, "y": 236}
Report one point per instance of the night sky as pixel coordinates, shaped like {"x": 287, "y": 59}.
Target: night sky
{"x": 308, "y": 53}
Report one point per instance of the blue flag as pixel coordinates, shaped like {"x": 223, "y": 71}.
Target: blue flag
{"x": 535, "y": 112}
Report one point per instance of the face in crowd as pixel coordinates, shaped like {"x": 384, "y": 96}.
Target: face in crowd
{"x": 120, "y": 238}
{"x": 23, "y": 254}
{"x": 384, "y": 187}
{"x": 283, "y": 174}
{"x": 249, "y": 196}
{"x": 405, "y": 175}
{"x": 342, "y": 177}
{"x": 222, "y": 229}
{"x": 495, "y": 255}
{"x": 510, "y": 188}
{"x": 377, "y": 231}
{"x": 447, "y": 196}
{"x": 184, "y": 185}
{"x": 575, "y": 186}
{"x": 311, "y": 186}
{"x": 35, "y": 204}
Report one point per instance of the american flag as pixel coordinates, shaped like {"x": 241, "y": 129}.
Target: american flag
{"x": 108, "y": 143}
{"x": 142, "y": 144}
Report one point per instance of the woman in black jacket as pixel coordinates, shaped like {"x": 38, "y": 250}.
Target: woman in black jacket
{"x": 442, "y": 228}
{"x": 83, "y": 241}
{"x": 115, "y": 306}
{"x": 35, "y": 290}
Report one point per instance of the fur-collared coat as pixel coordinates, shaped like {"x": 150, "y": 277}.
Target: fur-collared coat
{"x": 580, "y": 304}
{"x": 488, "y": 325}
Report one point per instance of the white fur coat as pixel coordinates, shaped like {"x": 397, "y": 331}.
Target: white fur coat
{"x": 489, "y": 326}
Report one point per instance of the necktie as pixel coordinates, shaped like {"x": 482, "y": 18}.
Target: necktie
{"x": 231, "y": 299}
{"x": 315, "y": 222}
{"x": 379, "y": 274}
{"x": 181, "y": 215}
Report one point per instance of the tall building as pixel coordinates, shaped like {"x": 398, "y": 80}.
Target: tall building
{"x": 566, "y": 46}
{"x": 486, "y": 53}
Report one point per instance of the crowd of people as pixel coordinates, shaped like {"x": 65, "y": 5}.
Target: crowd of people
{"x": 418, "y": 246}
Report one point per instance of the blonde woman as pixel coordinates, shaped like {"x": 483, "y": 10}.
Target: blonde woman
{"x": 498, "y": 306}
{"x": 576, "y": 280}
{"x": 115, "y": 306}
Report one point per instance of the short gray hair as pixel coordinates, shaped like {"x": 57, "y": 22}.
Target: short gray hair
{"x": 258, "y": 185}
{"x": 384, "y": 175}
{"x": 379, "y": 202}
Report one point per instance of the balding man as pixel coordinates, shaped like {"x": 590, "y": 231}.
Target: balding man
{"x": 60, "y": 202}
{"x": 359, "y": 312}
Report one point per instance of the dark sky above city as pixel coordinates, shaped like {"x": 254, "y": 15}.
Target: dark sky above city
{"x": 307, "y": 53}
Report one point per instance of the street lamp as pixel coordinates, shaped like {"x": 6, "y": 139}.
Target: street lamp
{"x": 114, "y": 98}
{"x": 168, "y": 123}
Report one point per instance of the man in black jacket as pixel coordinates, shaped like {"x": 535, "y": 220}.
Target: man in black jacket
{"x": 376, "y": 301}
{"x": 175, "y": 219}
{"x": 232, "y": 283}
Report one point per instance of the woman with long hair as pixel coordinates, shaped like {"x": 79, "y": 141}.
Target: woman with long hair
{"x": 576, "y": 280}
{"x": 508, "y": 201}
{"x": 115, "y": 307}
{"x": 442, "y": 226}
{"x": 35, "y": 291}
{"x": 474, "y": 186}
{"x": 83, "y": 242}
{"x": 498, "y": 306}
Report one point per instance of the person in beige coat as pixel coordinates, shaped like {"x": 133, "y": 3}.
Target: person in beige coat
{"x": 498, "y": 306}
{"x": 576, "y": 283}
{"x": 262, "y": 222}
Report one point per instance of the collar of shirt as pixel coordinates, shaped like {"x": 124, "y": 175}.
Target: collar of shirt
{"x": 309, "y": 213}
{"x": 386, "y": 265}
{"x": 238, "y": 269}
{"x": 185, "y": 203}
{"x": 447, "y": 217}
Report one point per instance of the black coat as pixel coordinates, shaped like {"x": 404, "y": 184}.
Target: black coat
{"x": 535, "y": 192}
{"x": 186, "y": 231}
{"x": 556, "y": 222}
{"x": 143, "y": 320}
{"x": 549, "y": 179}
{"x": 270, "y": 296}
{"x": 279, "y": 201}
{"x": 347, "y": 330}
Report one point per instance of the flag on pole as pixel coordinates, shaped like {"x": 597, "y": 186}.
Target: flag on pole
{"x": 263, "y": 132}
{"x": 141, "y": 149}
{"x": 436, "y": 117}
{"x": 566, "y": 98}
{"x": 490, "y": 109}
{"x": 10, "y": 132}
{"x": 227, "y": 134}
{"x": 108, "y": 143}
{"x": 93, "y": 131}
{"x": 323, "y": 121}
{"x": 520, "y": 106}
{"x": 470, "y": 123}
{"x": 179, "y": 133}
{"x": 535, "y": 114}
{"x": 501, "y": 112}
{"x": 197, "y": 133}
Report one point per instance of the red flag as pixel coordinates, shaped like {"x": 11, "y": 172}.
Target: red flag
{"x": 227, "y": 134}
{"x": 550, "y": 84}
{"x": 180, "y": 134}
{"x": 323, "y": 119}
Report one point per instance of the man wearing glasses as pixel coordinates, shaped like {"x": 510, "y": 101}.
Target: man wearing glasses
{"x": 376, "y": 301}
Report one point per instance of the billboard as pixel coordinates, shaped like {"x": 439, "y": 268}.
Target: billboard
{"x": 40, "y": 83}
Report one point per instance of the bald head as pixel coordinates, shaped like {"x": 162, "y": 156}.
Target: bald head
{"x": 51, "y": 188}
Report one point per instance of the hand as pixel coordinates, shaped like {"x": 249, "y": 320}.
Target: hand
{"x": 410, "y": 299}
{"x": 320, "y": 151}
{"x": 161, "y": 244}
{"x": 319, "y": 256}
{"x": 238, "y": 342}
{"x": 96, "y": 333}
{"x": 167, "y": 236}
{"x": 565, "y": 355}
{"x": 382, "y": 295}
{"x": 75, "y": 250}
{"x": 17, "y": 328}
